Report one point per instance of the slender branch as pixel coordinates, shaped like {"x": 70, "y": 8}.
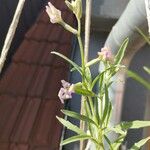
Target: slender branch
{"x": 11, "y": 33}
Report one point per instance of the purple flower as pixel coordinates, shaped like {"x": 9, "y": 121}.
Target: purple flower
{"x": 53, "y": 13}
{"x": 66, "y": 91}
{"x": 105, "y": 54}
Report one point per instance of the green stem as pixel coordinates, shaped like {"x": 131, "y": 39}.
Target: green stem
{"x": 69, "y": 28}
{"x": 80, "y": 45}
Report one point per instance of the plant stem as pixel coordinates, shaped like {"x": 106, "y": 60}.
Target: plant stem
{"x": 11, "y": 33}
{"x": 68, "y": 27}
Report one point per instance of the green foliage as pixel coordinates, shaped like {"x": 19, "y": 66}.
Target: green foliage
{"x": 146, "y": 38}
{"x": 69, "y": 61}
{"x": 147, "y": 69}
{"x": 79, "y": 117}
{"x": 139, "y": 144}
{"x": 97, "y": 105}
{"x": 70, "y": 126}
{"x": 133, "y": 125}
{"x": 75, "y": 138}
{"x": 136, "y": 77}
{"x": 121, "y": 52}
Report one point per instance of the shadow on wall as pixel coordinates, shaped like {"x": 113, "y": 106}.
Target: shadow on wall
{"x": 29, "y": 14}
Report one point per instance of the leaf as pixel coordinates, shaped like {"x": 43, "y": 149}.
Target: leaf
{"x": 133, "y": 125}
{"x": 117, "y": 130}
{"x": 143, "y": 35}
{"x": 109, "y": 113}
{"x": 118, "y": 142}
{"x": 75, "y": 138}
{"x": 96, "y": 108}
{"x": 78, "y": 68}
{"x": 106, "y": 104}
{"x": 147, "y": 69}
{"x": 70, "y": 126}
{"x": 121, "y": 52}
{"x": 84, "y": 92}
{"x": 108, "y": 141}
{"x": 139, "y": 144}
{"x": 111, "y": 69}
{"x": 88, "y": 75}
{"x": 78, "y": 116}
{"x": 139, "y": 79}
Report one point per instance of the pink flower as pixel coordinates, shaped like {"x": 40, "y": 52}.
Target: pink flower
{"x": 53, "y": 13}
{"x": 105, "y": 54}
{"x": 66, "y": 91}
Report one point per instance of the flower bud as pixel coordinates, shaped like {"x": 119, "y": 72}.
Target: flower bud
{"x": 76, "y": 7}
{"x": 105, "y": 54}
{"x": 53, "y": 13}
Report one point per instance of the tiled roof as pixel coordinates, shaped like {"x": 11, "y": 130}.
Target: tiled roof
{"x": 29, "y": 87}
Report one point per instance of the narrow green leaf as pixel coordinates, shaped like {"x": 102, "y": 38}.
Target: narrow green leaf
{"x": 109, "y": 113}
{"x": 133, "y": 125}
{"x": 88, "y": 75}
{"x": 106, "y": 104}
{"x": 117, "y": 130}
{"x": 111, "y": 69}
{"x": 97, "y": 110}
{"x": 78, "y": 68}
{"x": 78, "y": 116}
{"x": 139, "y": 79}
{"x": 108, "y": 141}
{"x": 143, "y": 35}
{"x": 139, "y": 144}
{"x": 75, "y": 138}
{"x": 84, "y": 92}
{"x": 121, "y": 52}
{"x": 70, "y": 126}
{"x": 118, "y": 142}
{"x": 147, "y": 69}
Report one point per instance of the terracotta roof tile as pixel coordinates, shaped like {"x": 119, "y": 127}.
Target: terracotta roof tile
{"x": 25, "y": 122}
{"x": 43, "y": 17}
{"x": 37, "y": 86}
{"x": 64, "y": 49}
{"x": 47, "y": 57}
{"x": 20, "y": 77}
{"x": 55, "y": 33}
{"x": 41, "y": 148}
{"x": 9, "y": 109}
{"x": 7, "y": 77}
{"x": 30, "y": 54}
{"x": 47, "y": 127}
{"x": 52, "y": 87}
{"x": 4, "y": 146}
{"x": 61, "y": 5}
{"x": 16, "y": 146}
{"x": 29, "y": 87}
{"x": 39, "y": 33}
{"x": 31, "y": 31}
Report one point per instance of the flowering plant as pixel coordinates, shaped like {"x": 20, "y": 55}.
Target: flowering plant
{"x": 96, "y": 107}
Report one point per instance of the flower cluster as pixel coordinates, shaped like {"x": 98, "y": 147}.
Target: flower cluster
{"x": 66, "y": 91}
{"x": 105, "y": 54}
